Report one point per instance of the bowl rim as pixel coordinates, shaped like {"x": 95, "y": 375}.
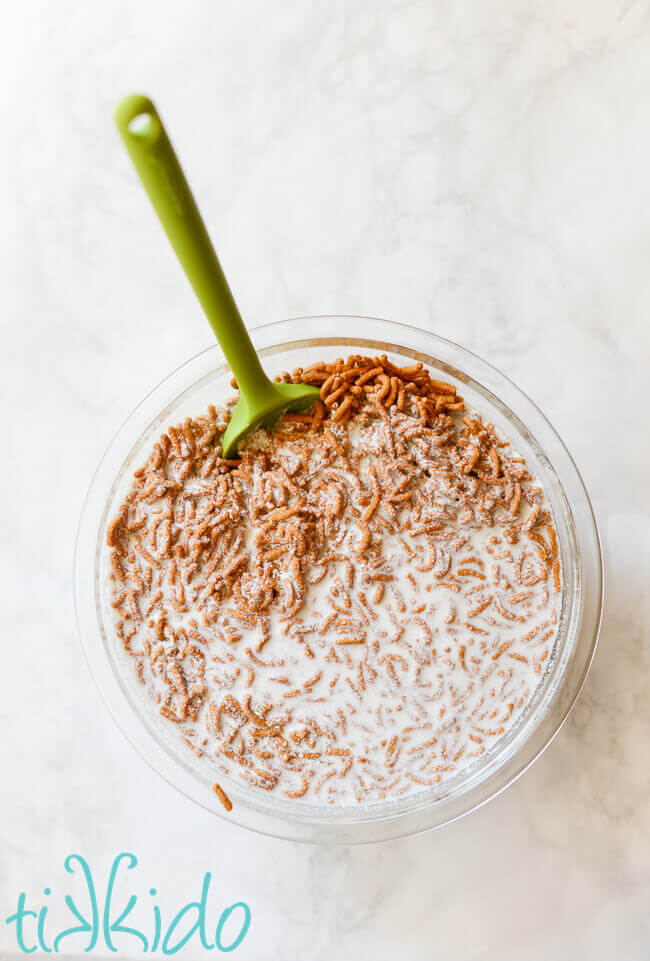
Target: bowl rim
{"x": 399, "y": 824}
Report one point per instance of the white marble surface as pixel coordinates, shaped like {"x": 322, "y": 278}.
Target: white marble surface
{"x": 478, "y": 169}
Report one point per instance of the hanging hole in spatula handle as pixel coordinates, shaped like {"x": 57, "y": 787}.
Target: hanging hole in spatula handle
{"x": 136, "y": 117}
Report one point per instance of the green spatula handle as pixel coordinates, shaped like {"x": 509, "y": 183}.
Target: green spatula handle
{"x": 159, "y": 170}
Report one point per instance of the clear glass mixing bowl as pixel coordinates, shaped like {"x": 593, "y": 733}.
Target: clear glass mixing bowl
{"x": 205, "y": 379}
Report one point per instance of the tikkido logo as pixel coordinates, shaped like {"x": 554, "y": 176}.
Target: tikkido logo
{"x": 101, "y": 924}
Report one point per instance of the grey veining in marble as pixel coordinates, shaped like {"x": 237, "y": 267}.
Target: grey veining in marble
{"x": 477, "y": 169}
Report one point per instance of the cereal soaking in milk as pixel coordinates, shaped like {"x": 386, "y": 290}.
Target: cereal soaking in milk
{"x": 354, "y": 610}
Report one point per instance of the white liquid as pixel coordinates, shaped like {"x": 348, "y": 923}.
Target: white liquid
{"x": 423, "y": 697}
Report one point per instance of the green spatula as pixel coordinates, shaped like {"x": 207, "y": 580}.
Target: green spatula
{"x": 262, "y": 401}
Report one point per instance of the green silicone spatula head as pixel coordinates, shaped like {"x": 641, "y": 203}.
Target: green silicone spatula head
{"x": 262, "y": 401}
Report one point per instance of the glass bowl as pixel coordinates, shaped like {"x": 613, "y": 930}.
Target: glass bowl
{"x": 205, "y": 379}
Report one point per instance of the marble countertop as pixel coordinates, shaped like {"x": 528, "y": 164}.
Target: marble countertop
{"x": 480, "y": 170}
